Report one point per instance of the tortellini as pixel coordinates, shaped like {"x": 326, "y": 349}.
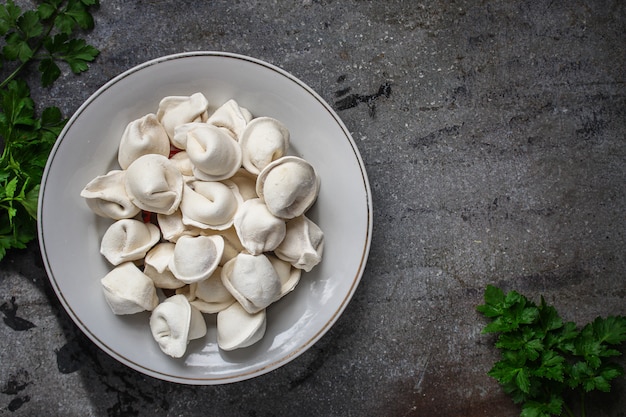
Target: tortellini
{"x": 141, "y": 137}
{"x": 258, "y": 230}
{"x": 264, "y": 140}
{"x": 208, "y": 217}
{"x": 210, "y": 204}
{"x": 252, "y": 280}
{"x": 289, "y": 186}
{"x": 213, "y": 152}
{"x": 236, "y": 328}
{"x": 127, "y": 290}
{"x": 175, "y": 322}
{"x": 196, "y": 257}
{"x": 106, "y": 196}
{"x": 154, "y": 184}
{"x": 174, "y": 111}
{"x": 128, "y": 240}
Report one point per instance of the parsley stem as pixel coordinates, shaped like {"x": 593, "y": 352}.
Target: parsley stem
{"x": 13, "y": 74}
{"x": 568, "y": 410}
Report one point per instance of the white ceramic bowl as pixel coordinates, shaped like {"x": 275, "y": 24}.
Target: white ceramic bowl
{"x": 70, "y": 234}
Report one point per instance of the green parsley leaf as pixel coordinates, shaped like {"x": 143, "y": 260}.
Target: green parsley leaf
{"x": 30, "y": 24}
{"x": 17, "y": 48}
{"x": 9, "y": 14}
{"x": 551, "y": 366}
{"x": 549, "y": 318}
{"x": 29, "y": 201}
{"x": 494, "y": 302}
{"x": 611, "y": 330}
{"x": 79, "y": 54}
{"x": 78, "y": 12}
{"x": 74, "y": 52}
{"x": 50, "y": 71}
{"x": 46, "y": 11}
{"x": 9, "y": 189}
{"x": 525, "y": 340}
{"x": 553, "y": 407}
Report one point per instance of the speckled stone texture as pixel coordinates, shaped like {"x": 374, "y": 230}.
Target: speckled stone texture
{"x": 494, "y": 137}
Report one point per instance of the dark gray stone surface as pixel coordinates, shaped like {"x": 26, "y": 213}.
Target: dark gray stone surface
{"x": 498, "y": 156}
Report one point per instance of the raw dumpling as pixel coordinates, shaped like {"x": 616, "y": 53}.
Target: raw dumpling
{"x": 141, "y": 137}
{"x": 303, "y": 244}
{"x": 127, "y": 290}
{"x": 258, "y": 230}
{"x": 214, "y": 153}
{"x": 236, "y": 328}
{"x": 174, "y": 323}
{"x": 128, "y": 240}
{"x": 210, "y": 204}
{"x": 195, "y": 258}
{"x": 252, "y": 280}
{"x": 154, "y": 184}
{"x": 264, "y": 140}
{"x": 232, "y": 117}
{"x": 106, "y": 196}
{"x": 289, "y": 186}
{"x": 177, "y": 110}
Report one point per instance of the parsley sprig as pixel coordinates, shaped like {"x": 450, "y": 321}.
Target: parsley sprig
{"x": 543, "y": 359}
{"x": 46, "y": 35}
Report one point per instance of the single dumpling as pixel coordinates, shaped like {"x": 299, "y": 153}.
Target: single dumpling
{"x": 303, "y": 244}
{"x": 128, "y": 240}
{"x": 214, "y": 153}
{"x": 174, "y": 111}
{"x": 236, "y": 328}
{"x": 258, "y": 230}
{"x": 154, "y": 184}
{"x": 156, "y": 266}
{"x": 196, "y": 257}
{"x": 106, "y": 196}
{"x": 232, "y": 117}
{"x": 210, "y": 295}
{"x": 141, "y": 137}
{"x": 289, "y": 186}
{"x": 210, "y": 204}
{"x": 127, "y": 290}
{"x": 175, "y": 322}
{"x": 264, "y": 140}
{"x": 252, "y": 280}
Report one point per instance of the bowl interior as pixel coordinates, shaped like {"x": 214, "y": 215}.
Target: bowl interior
{"x": 70, "y": 234}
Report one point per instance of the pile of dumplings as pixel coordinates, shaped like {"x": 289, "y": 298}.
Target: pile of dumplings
{"x": 209, "y": 217}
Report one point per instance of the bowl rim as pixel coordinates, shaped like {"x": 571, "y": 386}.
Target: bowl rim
{"x": 279, "y": 361}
